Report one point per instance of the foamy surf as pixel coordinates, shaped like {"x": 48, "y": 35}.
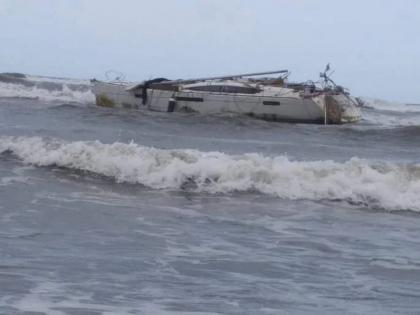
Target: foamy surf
{"x": 45, "y": 89}
{"x": 390, "y": 114}
{"x": 379, "y": 104}
{"x": 387, "y": 186}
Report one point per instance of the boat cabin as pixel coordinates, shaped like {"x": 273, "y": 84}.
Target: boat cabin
{"x": 231, "y": 87}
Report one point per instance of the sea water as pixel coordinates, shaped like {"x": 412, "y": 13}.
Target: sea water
{"x": 115, "y": 211}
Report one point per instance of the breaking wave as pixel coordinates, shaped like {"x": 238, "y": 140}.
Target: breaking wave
{"x": 375, "y": 185}
{"x": 16, "y": 85}
{"x": 390, "y": 106}
{"x": 390, "y": 114}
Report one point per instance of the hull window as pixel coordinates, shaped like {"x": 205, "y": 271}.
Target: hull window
{"x": 207, "y": 88}
{"x": 271, "y": 103}
{"x": 189, "y": 99}
{"x": 225, "y": 89}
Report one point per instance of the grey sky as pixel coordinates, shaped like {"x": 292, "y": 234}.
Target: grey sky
{"x": 374, "y": 45}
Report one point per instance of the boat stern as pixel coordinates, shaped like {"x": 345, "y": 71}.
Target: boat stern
{"x": 338, "y": 108}
{"x": 342, "y": 108}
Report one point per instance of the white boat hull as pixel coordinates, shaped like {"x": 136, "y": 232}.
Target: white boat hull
{"x": 290, "y": 108}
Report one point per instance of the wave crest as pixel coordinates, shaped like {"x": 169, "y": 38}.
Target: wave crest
{"x": 377, "y": 185}
{"x": 379, "y": 104}
{"x": 45, "y": 89}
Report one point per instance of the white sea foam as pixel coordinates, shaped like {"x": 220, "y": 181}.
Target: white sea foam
{"x": 391, "y": 106}
{"x": 391, "y": 114}
{"x": 378, "y": 185}
{"x": 13, "y": 90}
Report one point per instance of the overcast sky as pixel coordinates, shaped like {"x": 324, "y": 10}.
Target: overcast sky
{"x": 373, "y": 45}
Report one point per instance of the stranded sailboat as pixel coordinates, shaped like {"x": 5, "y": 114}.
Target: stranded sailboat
{"x": 270, "y": 98}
